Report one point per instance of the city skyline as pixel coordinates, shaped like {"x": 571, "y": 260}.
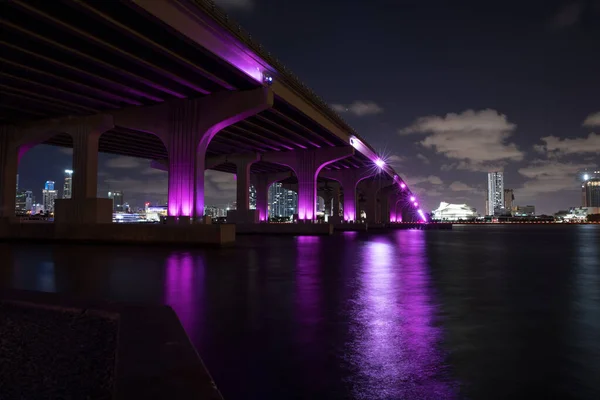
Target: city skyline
{"x": 443, "y": 122}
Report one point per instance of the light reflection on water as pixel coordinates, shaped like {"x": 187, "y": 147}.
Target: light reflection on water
{"x": 475, "y": 312}
{"x": 395, "y": 341}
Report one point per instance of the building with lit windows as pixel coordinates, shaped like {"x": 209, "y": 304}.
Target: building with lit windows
{"x": 24, "y": 201}
{"x": 68, "y": 185}
{"x": 590, "y": 189}
{"x": 509, "y": 198}
{"x": 454, "y": 212}
{"x": 282, "y": 202}
{"x": 117, "y": 198}
{"x": 252, "y": 197}
{"x": 523, "y": 211}
{"x": 49, "y": 195}
{"x": 495, "y": 193}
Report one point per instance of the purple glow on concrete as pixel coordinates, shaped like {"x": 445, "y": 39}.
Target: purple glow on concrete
{"x": 393, "y": 213}
{"x": 308, "y": 289}
{"x": 403, "y": 185}
{"x": 379, "y": 162}
{"x": 182, "y": 283}
{"x": 181, "y": 188}
{"x": 412, "y": 198}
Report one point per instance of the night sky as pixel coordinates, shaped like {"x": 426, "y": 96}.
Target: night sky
{"x": 447, "y": 90}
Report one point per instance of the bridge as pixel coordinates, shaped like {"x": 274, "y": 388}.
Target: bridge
{"x": 179, "y": 83}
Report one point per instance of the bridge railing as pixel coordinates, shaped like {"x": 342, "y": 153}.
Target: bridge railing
{"x": 292, "y": 79}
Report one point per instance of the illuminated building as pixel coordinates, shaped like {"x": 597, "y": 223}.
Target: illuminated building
{"x": 453, "y": 212}
{"x": 117, "y": 198}
{"x": 495, "y": 193}
{"x": 523, "y": 211}
{"x": 590, "y": 190}
{"x": 68, "y": 185}
{"x": 252, "y": 197}
{"x": 282, "y": 202}
{"x": 509, "y": 198}
{"x": 24, "y": 201}
{"x": 49, "y": 195}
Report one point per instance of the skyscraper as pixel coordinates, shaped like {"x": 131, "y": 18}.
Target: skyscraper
{"x": 282, "y": 202}
{"x": 590, "y": 192}
{"x": 495, "y": 193}
{"x": 509, "y": 198}
{"x": 68, "y": 184}
{"x": 49, "y": 195}
{"x": 117, "y": 198}
{"x": 252, "y": 190}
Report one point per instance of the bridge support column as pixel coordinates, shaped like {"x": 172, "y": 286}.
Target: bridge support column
{"x": 242, "y": 213}
{"x": 262, "y": 183}
{"x": 191, "y": 126}
{"x": 387, "y": 204}
{"x": 349, "y": 180}
{"x": 9, "y": 164}
{"x": 84, "y": 206}
{"x": 307, "y": 164}
{"x": 335, "y": 213}
{"x": 371, "y": 189}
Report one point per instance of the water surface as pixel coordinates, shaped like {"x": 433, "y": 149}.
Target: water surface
{"x": 481, "y": 312}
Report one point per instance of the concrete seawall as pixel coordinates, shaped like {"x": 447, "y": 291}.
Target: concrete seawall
{"x": 194, "y": 234}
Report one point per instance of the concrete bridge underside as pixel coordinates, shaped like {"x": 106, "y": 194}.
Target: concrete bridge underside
{"x": 170, "y": 80}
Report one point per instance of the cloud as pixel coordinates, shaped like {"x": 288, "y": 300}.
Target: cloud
{"x": 477, "y": 139}
{"x": 550, "y": 176}
{"x": 123, "y": 162}
{"x": 423, "y": 158}
{"x": 557, "y": 146}
{"x": 592, "y": 120}
{"x": 359, "y": 108}
{"x": 568, "y": 15}
{"x": 235, "y": 4}
{"x": 416, "y": 180}
{"x": 457, "y": 186}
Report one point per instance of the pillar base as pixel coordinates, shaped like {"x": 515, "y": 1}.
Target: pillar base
{"x": 242, "y": 217}
{"x": 87, "y": 211}
{"x": 184, "y": 220}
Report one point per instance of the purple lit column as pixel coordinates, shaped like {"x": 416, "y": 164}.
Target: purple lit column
{"x": 307, "y": 164}
{"x": 186, "y": 160}
{"x": 349, "y": 180}
{"x": 191, "y": 126}
{"x": 243, "y": 165}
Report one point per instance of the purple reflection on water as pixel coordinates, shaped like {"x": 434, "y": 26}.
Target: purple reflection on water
{"x": 397, "y": 344}
{"x": 183, "y": 280}
{"x": 308, "y": 287}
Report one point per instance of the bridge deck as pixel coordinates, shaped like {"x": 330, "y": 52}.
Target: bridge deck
{"x": 70, "y": 57}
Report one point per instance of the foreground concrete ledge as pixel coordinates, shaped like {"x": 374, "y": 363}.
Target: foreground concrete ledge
{"x": 181, "y": 234}
{"x": 154, "y": 356}
{"x": 304, "y": 229}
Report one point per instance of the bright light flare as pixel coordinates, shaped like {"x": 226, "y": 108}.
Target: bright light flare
{"x": 412, "y": 198}
{"x": 403, "y": 185}
{"x": 416, "y": 204}
{"x": 420, "y": 212}
{"x": 379, "y": 162}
